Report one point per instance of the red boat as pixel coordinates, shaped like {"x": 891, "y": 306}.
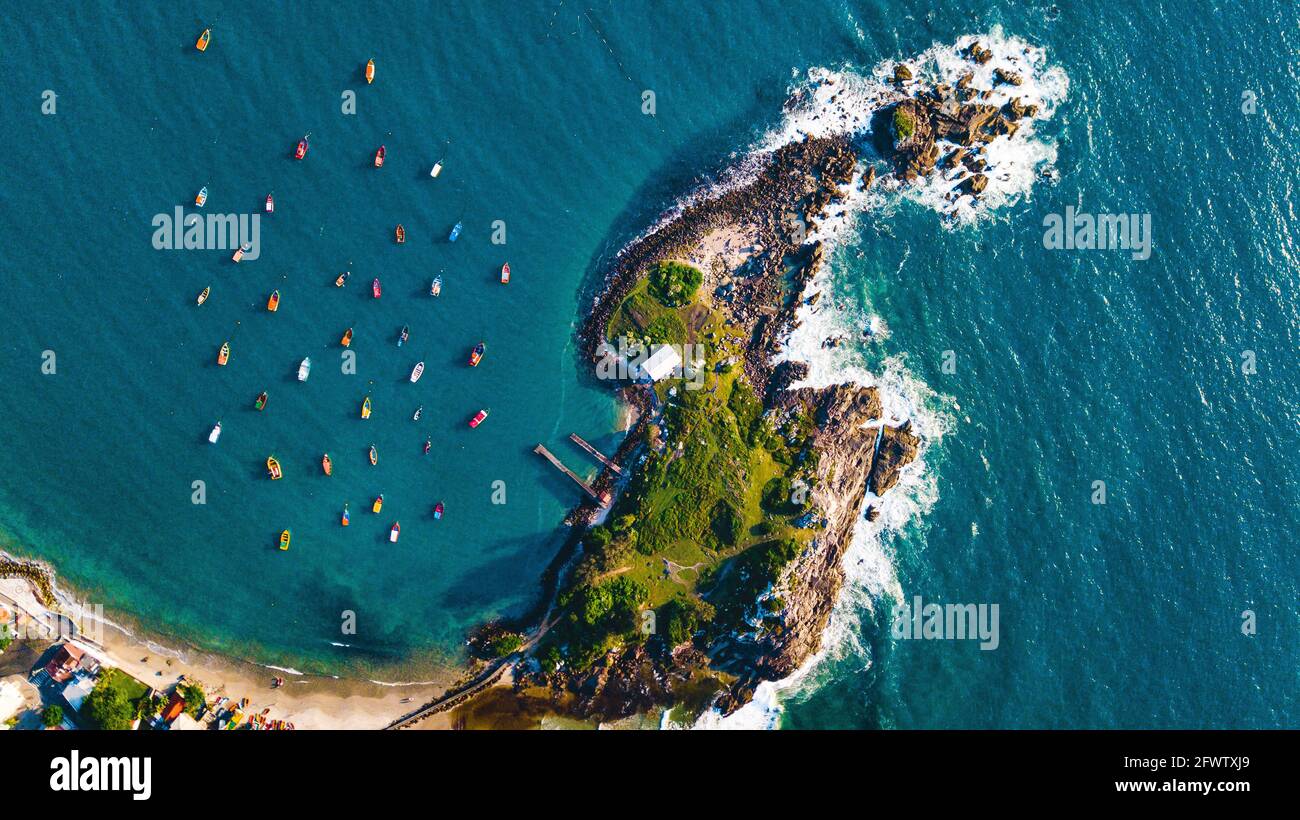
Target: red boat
{"x": 401, "y": 234}
{"x": 428, "y": 444}
{"x": 437, "y": 510}
{"x": 379, "y": 157}
{"x": 375, "y": 289}
{"x": 302, "y": 149}
{"x": 270, "y": 204}
{"x": 478, "y": 418}
{"x": 505, "y": 274}
{"x": 476, "y": 355}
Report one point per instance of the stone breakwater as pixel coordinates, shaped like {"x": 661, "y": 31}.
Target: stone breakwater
{"x": 750, "y": 242}
{"x": 40, "y": 578}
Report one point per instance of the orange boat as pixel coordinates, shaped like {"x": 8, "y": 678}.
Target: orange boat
{"x": 379, "y": 157}
{"x": 346, "y": 518}
{"x": 273, "y": 304}
{"x": 204, "y": 39}
{"x": 370, "y": 72}
{"x": 301, "y": 150}
{"x": 273, "y": 467}
{"x": 326, "y": 464}
{"x": 347, "y": 338}
{"x": 476, "y": 355}
{"x": 343, "y": 278}
{"x": 505, "y": 274}
{"x": 224, "y": 355}
{"x": 401, "y": 234}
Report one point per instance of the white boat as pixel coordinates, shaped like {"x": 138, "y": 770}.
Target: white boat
{"x": 304, "y": 369}
{"x": 437, "y": 169}
{"x": 215, "y": 434}
{"x": 417, "y": 372}
{"x": 436, "y": 286}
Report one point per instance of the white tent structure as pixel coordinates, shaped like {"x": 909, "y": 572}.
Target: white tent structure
{"x": 662, "y": 363}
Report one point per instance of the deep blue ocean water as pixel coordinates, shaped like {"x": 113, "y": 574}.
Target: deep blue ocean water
{"x": 1071, "y": 367}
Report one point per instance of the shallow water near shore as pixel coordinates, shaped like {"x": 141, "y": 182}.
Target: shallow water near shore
{"x": 1071, "y": 367}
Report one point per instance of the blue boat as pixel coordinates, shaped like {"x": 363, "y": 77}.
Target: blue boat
{"x": 455, "y": 232}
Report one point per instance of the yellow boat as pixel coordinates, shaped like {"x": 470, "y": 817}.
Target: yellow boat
{"x": 204, "y": 39}
{"x": 365, "y": 408}
{"x": 370, "y": 72}
{"x": 273, "y": 304}
{"x": 379, "y": 503}
{"x": 203, "y": 297}
{"x": 284, "y": 540}
{"x": 273, "y": 467}
{"x": 224, "y": 355}
{"x": 347, "y": 338}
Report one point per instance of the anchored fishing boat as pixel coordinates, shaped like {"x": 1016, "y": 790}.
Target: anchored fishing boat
{"x": 417, "y": 372}
{"x": 304, "y": 369}
{"x": 202, "y": 198}
{"x": 346, "y": 518}
{"x": 435, "y": 287}
{"x": 260, "y": 404}
{"x": 326, "y": 464}
{"x": 478, "y": 418}
{"x": 243, "y": 249}
{"x": 437, "y": 169}
{"x": 455, "y": 232}
{"x": 284, "y": 540}
{"x": 404, "y": 335}
{"x": 379, "y": 156}
{"x": 365, "y": 408}
{"x": 476, "y": 355}
{"x": 379, "y": 503}
{"x": 273, "y": 304}
{"x": 301, "y": 151}
{"x": 401, "y": 234}
{"x": 428, "y": 445}
{"x": 505, "y": 274}
{"x": 273, "y": 468}
{"x": 419, "y": 411}
{"x": 375, "y": 289}
{"x": 394, "y": 532}
{"x": 203, "y": 297}
{"x": 346, "y": 341}
{"x": 437, "y": 511}
{"x": 204, "y": 39}
{"x": 370, "y": 71}
{"x": 223, "y": 355}
{"x": 270, "y": 204}
{"x": 215, "y": 434}
{"x": 374, "y": 456}
{"x": 343, "y": 278}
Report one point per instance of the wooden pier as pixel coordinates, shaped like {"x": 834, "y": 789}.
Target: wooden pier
{"x": 578, "y": 440}
{"x": 560, "y": 466}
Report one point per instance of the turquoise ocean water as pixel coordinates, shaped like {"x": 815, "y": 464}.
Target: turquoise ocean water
{"x": 1071, "y": 368}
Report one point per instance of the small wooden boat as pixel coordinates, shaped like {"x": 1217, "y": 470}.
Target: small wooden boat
{"x": 374, "y": 456}
{"x": 273, "y": 304}
{"x": 326, "y": 464}
{"x": 273, "y": 468}
{"x": 417, "y": 372}
{"x": 476, "y": 355}
{"x": 260, "y": 404}
{"x": 401, "y": 234}
{"x": 505, "y": 274}
{"x": 379, "y": 503}
{"x": 270, "y": 204}
{"x": 284, "y": 540}
{"x": 394, "y": 532}
{"x": 203, "y": 297}
{"x": 204, "y": 39}
{"x": 346, "y": 518}
{"x": 346, "y": 341}
{"x": 223, "y": 355}
{"x": 428, "y": 445}
{"x": 365, "y": 408}
{"x": 379, "y": 156}
{"x": 301, "y": 150}
{"x": 202, "y": 198}
{"x": 375, "y": 289}
{"x": 455, "y": 232}
{"x": 343, "y": 279}
{"x": 435, "y": 287}
{"x": 437, "y": 169}
{"x": 370, "y": 72}
{"x": 304, "y": 369}
{"x": 404, "y": 335}
{"x": 437, "y": 511}
{"x": 478, "y": 418}
{"x": 215, "y": 434}
{"x": 243, "y": 249}
{"x": 419, "y": 411}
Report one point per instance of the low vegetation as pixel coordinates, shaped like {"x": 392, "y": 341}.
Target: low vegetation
{"x": 114, "y": 703}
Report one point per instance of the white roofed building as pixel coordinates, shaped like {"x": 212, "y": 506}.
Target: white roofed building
{"x": 664, "y": 362}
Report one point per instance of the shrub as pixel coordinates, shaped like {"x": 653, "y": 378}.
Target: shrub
{"x": 674, "y": 284}
{"x": 904, "y": 125}
{"x": 52, "y": 716}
